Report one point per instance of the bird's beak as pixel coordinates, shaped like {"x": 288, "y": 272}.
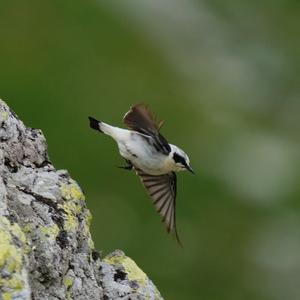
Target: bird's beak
{"x": 190, "y": 169}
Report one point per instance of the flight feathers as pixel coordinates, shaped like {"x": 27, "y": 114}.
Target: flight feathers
{"x": 141, "y": 119}
{"x": 162, "y": 189}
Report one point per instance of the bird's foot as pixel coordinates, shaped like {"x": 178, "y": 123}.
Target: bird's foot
{"x": 128, "y": 167}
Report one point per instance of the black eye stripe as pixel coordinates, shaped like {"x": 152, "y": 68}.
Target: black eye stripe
{"x": 179, "y": 159}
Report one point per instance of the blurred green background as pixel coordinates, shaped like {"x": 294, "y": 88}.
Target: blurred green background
{"x": 225, "y": 77}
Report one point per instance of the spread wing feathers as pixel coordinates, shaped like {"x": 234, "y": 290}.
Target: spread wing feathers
{"x": 162, "y": 190}
{"x": 140, "y": 118}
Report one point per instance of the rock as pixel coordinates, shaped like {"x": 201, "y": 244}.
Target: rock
{"x": 46, "y": 249}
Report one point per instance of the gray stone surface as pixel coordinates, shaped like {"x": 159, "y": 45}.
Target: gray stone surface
{"x": 46, "y": 250}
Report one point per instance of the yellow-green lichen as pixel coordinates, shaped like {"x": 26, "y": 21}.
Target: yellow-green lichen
{"x": 6, "y": 296}
{"x": 90, "y": 242}
{"x": 27, "y": 228}
{"x": 86, "y": 229}
{"x": 11, "y": 254}
{"x": 14, "y": 283}
{"x": 71, "y": 210}
{"x": 71, "y": 191}
{"x": 72, "y": 206}
{"x": 50, "y": 232}
{"x": 130, "y": 267}
{"x": 88, "y": 218}
{"x": 17, "y": 231}
{"x": 3, "y": 116}
{"x": 68, "y": 282}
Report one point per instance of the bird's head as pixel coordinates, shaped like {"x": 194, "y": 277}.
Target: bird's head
{"x": 180, "y": 160}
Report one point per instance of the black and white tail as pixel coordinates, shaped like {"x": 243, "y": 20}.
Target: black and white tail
{"x": 95, "y": 124}
{"x": 114, "y": 132}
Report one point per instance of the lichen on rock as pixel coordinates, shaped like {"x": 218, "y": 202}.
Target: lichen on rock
{"x": 46, "y": 249}
{"x": 13, "y": 279}
{"x": 122, "y": 278}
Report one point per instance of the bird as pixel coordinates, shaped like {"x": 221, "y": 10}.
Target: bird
{"x": 154, "y": 160}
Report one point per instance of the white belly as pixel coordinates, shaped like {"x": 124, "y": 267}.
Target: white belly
{"x": 144, "y": 157}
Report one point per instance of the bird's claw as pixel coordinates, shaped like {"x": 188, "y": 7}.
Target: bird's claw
{"x": 129, "y": 168}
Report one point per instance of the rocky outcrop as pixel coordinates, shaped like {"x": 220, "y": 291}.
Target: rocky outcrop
{"x": 46, "y": 249}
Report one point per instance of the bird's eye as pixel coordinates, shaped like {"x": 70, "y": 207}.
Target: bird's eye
{"x": 176, "y": 157}
{"x": 179, "y": 159}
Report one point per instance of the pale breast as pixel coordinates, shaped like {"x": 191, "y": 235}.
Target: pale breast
{"x": 144, "y": 156}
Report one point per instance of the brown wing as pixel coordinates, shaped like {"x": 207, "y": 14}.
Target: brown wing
{"x": 162, "y": 190}
{"x": 139, "y": 118}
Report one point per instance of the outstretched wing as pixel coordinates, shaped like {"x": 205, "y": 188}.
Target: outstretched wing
{"x": 139, "y": 118}
{"x": 162, "y": 190}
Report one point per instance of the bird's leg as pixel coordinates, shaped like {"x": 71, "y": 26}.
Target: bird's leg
{"x": 128, "y": 167}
